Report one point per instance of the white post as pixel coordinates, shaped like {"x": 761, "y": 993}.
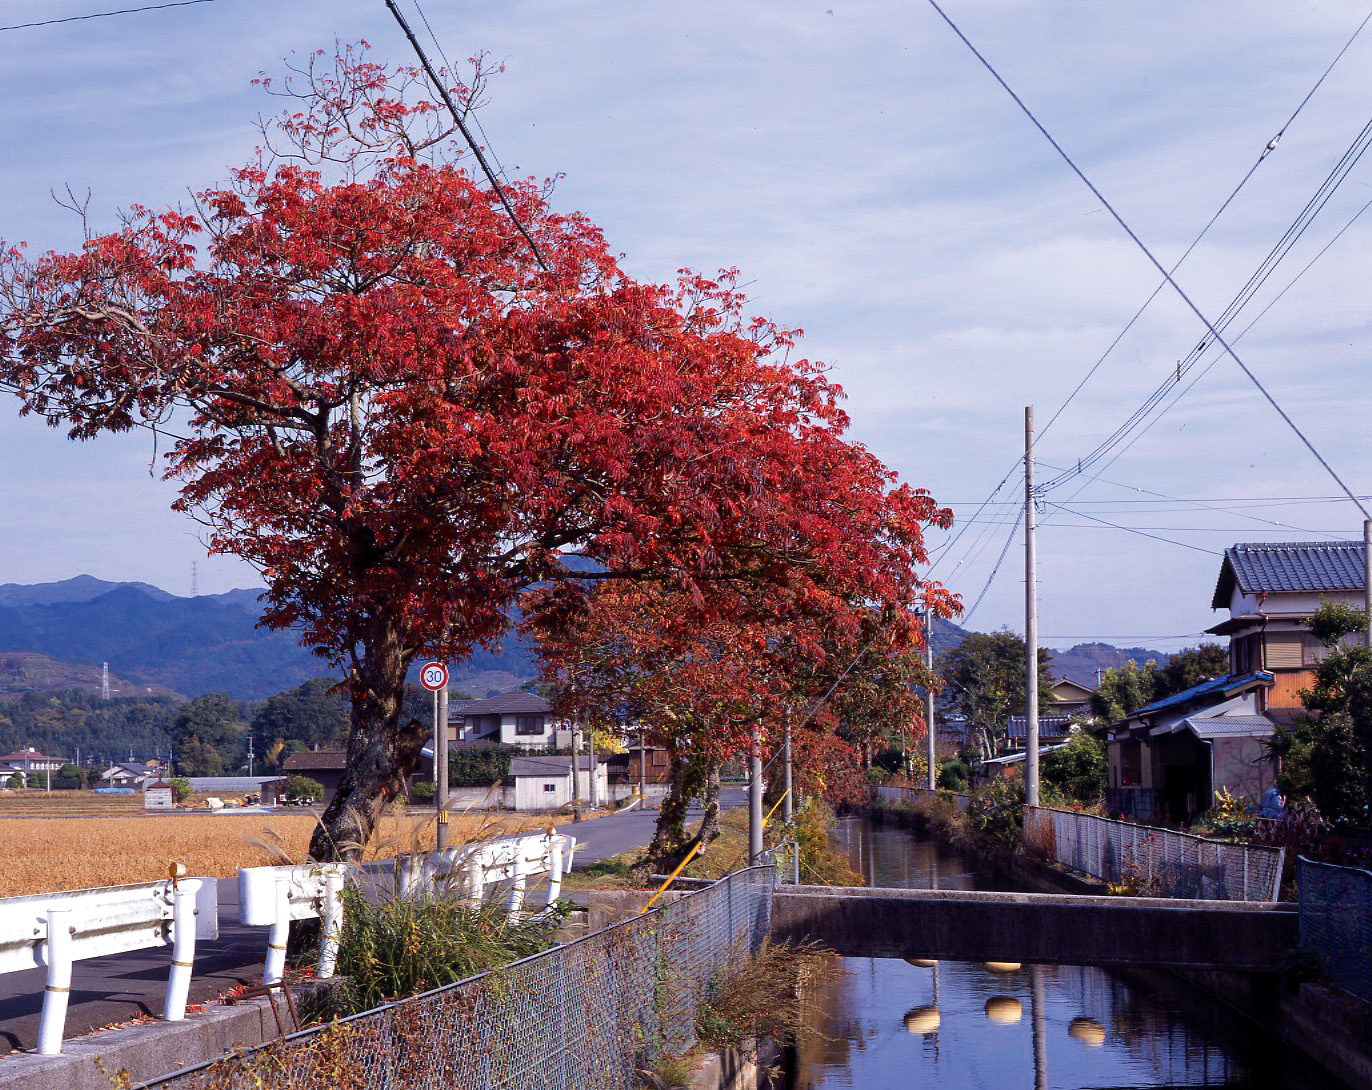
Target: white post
{"x": 441, "y": 765}
{"x": 593, "y": 789}
{"x": 755, "y": 802}
{"x": 183, "y": 949}
{"x": 554, "y": 867}
{"x": 279, "y": 935}
{"x": 332, "y": 923}
{"x": 929, "y": 780}
{"x": 57, "y": 950}
{"x": 1367, "y": 578}
{"x": 1031, "y": 624}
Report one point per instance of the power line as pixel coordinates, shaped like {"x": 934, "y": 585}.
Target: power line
{"x": 1148, "y": 253}
{"x": 996, "y": 570}
{"x": 107, "y": 14}
{"x": 1132, "y": 530}
{"x": 1267, "y": 150}
{"x": 467, "y": 135}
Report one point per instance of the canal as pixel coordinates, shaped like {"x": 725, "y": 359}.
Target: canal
{"x": 889, "y": 1025}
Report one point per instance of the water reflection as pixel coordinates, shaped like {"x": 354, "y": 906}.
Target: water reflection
{"x": 956, "y": 1026}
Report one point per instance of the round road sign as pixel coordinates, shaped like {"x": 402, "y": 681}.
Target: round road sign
{"x": 433, "y": 676}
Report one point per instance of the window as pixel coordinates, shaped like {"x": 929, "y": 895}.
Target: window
{"x": 528, "y": 724}
{"x": 550, "y": 787}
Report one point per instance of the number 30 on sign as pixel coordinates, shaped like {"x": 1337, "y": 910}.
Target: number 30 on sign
{"x": 433, "y": 676}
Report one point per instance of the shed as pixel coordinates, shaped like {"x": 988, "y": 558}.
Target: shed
{"x": 545, "y": 783}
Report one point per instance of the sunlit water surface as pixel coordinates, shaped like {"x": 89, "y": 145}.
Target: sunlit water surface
{"x": 887, "y": 1024}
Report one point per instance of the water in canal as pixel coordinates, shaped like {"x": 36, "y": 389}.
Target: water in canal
{"x": 889, "y": 1025}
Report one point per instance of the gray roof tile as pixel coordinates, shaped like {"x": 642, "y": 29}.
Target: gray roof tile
{"x": 1290, "y": 566}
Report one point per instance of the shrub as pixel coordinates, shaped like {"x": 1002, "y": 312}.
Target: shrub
{"x": 422, "y": 791}
{"x": 181, "y": 788}
{"x": 996, "y": 813}
{"x": 1079, "y": 769}
{"x": 953, "y": 775}
{"x": 303, "y": 789}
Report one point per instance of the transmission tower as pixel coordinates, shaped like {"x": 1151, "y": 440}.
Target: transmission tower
{"x": 104, "y": 681}
{"x": 195, "y": 579}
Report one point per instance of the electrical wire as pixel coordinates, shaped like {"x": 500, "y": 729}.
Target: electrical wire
{"x": 1148, "y": 253}
{"x": 1132, "y": 530}
{"x": 1267, "y": 150}
{"x": 477, "y": 149}
{"x": 107, "y": 14}
{"x": 996, "y": 570}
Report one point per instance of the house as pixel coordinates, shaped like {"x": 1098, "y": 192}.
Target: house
{"x": 1270, "y": 591}
{"x": 324, "y": 766}
{"x": 512, "y": 719}
{"x": 545, "y": 783}
{"x": 1167, "y": 760}
{"x": 266, "y": 788}
{"x": 29, "y": 763}
{"x": 1052, "y": 729}
{"x": 1067, "y": 698}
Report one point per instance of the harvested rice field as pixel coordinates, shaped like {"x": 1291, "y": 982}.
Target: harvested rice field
{"x": 44, "y": 854}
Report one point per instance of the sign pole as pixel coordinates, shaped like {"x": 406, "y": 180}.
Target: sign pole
{"x": 434, "y": 677}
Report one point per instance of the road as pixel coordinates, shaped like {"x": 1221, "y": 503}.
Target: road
{"x": 124, "y": 987}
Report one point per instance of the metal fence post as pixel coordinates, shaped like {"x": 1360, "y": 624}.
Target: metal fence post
{"x": 57, "y": 949}
{"x": 183, "y": 948}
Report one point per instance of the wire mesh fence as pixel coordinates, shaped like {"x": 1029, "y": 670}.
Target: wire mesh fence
{"x": 1336, "y": 922}
{"x": 587, "y": 1015}
{"x": 1154, "y": 862}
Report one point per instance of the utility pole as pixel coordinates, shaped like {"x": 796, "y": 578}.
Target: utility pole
{"x": 788, "y": 810}
{"x": 1031, "y": 624}
{"x": 755, "y": 801}
{"x": 592, "y": 788}
{"x": 1367, "y": 578}
{"x": 576, "y": 778}
{"x": 642, "y": 771}
{"x": 441, "y": 765}
{"x": 929, "y": 693}
{"x": 250, "y": 753}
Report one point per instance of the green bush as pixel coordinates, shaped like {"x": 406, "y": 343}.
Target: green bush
{"x": 397, "y": 948}
{"x": 181, "y": 788}
{"x": 953, "y": 775}
{"x": 303, "y": 789}
{"x": 422, "y": 791}
{"x": 1079, "y": 769}
{"x": 995, "y": 813}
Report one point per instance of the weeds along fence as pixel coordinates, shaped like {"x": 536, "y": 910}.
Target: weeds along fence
{"x": 912, "y": 795}
{"x": 587, "y": 1015}
{"x": 1156, "y": 862}
{"x": 1336, "y": 922}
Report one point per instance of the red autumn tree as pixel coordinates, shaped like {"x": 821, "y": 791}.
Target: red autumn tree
{"x": 383, "y": 402}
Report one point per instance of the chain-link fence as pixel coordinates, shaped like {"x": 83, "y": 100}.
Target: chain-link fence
{"x": 1152, "y": 862}
{"x": 1336, "y": 922}
{"x": 587, "y": 1015}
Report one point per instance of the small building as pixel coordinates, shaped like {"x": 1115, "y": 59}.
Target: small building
{"x": 511, "y": 719}
{"x": 1068, "y": 698}
{"x": 545, "y": 783}
{"x": 29, "y": 763}
{"x": 324, "y": 766}
{"x": 158, "y": 795}
{"x": 1169, "y": 758}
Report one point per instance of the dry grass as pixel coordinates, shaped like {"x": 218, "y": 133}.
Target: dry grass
{"x": 45, "y": 854}
{"x": 82, "y": 803}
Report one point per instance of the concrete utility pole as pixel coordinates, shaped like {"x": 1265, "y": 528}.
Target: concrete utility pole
{"x": 1367, "y": 578}
{"x": 929, "y": 693}
{"x": 755, "y": 801}
{"x": 788, "y": 809}
{"x": 1031, "y": 623}
{"x": 441, "y": 765}
{"x": 642, "y": 771}
{"x": 592, "y": 788}
{"x": 576, "y": 778}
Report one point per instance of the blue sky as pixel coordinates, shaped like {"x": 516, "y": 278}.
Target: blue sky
{"x": 877, "y": 189}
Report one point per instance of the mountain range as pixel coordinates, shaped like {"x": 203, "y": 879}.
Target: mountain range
{"x": 56, "y": 635}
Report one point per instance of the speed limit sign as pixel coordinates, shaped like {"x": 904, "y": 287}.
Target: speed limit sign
{"x": 433, "y": 676}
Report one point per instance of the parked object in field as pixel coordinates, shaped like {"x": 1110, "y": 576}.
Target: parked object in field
{"x": 56, "y": 929}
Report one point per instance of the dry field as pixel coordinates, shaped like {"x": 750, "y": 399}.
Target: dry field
{"x": 23, "y": 803}
{"x": 43, "y": 854}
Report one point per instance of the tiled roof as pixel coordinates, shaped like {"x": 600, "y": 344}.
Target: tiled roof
{"x": 1289, "y": 566}
{"x": 548, "y": 766}
{"x": 1050, "y": 726}
{"x": 1215, "y": 687}
{"x": 1238, "y": 726}
{"x": 324, "y": 760}
{"x": 517, "y": 702}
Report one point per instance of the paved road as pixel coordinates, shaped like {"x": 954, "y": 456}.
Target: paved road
{"x": 117, "y": 989}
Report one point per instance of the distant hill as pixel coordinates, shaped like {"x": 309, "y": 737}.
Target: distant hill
{"x": 26, "y": 671}
{"x": 1081, "y": 663}
{"x": 186, "y": 645}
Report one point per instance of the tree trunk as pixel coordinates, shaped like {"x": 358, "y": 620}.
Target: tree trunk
{"x": 381, "y": 752}
{"x": 709, "y": 824}
{"x": 669, "y": 839}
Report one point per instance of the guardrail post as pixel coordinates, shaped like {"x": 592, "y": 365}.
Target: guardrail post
{"x": 280, "y": 933}
{"x": 332, "y": 923}
{"x": 58, "y": 951}
{"x": 183, "y": 949}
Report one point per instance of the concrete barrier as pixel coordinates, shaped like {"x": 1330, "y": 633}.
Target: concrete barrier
{"x": 962, "y": 925}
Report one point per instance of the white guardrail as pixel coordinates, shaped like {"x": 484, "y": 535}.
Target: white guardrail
{"x": 274, "y": 896}
{"x": 56, "y": 929}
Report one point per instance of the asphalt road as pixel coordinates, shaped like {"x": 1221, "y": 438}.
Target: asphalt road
{"x": 121, "y": 988}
